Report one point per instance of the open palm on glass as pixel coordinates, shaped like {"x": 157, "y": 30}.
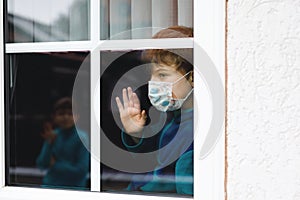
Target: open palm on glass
{"x": 132, "y": 118}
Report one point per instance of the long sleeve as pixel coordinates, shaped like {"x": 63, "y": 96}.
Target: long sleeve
{"x": 43, "y": 160}
{"x": 149, "y": 139}
{"x": 71, "y": 158}
{"x": 78, "y": 168}
{"x": 184, "y": 173}
{"x": 173, "y": 145}
{"x": 129, "y": 143}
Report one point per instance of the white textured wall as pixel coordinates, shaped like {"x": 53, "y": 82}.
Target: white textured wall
{"x": 264, "y": 99}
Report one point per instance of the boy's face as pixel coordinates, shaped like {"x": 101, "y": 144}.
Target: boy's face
{"x": 64, "y": 118}
{"x": 165, "y": 73}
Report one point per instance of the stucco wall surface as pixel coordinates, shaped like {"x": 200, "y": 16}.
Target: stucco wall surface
{"x": 264, "y": 99}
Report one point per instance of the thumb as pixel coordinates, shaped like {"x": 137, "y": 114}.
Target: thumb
{"x": 143, "y": 115}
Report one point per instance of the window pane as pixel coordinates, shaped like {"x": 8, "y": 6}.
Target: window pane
{"x": 140, "y": 19}
{"x": 48, "y": 120}
{"x": 44, "y": 21}
{"x": 147, "y": 135}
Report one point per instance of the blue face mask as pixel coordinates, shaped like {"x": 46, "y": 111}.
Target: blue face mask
{"x": 160, "y": 95}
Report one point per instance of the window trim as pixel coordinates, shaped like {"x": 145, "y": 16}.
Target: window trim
{"x": 100, "y": 45}
{"x": 208, "y": 14}
{"x": 2, "y": 131}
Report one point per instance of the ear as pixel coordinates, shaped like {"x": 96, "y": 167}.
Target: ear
{"x": 191, "y": 78}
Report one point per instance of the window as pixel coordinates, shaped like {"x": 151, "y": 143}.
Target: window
{"x": 142, "y": 23}
{"x": 44, "y": 21}
{"x": 88, "y": 50}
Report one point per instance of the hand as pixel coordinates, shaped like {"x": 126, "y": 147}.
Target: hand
{"x": 48, "y": 133}
{"x": 52, "y": 161}
{"x": 133, "y": 119}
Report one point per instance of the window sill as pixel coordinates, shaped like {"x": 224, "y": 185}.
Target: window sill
{"x": 22, "y": 193}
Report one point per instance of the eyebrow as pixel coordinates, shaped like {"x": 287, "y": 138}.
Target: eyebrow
{"x": 158, "y": 69}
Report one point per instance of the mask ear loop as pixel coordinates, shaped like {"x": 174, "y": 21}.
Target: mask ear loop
{"x": 189, "y": 91}
{"x": 181, "y": 78}
{"x": 185, "y": 98}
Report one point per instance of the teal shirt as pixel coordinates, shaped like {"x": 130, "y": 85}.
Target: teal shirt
{"x": 177, "y": 138}
{"x": 71, "y": 165}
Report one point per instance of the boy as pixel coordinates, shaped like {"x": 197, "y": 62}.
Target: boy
{"x": 63, "y": 153}
{"x": 170, "y": 90}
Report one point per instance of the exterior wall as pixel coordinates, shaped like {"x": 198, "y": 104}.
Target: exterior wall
{"x": 263, "y": 99}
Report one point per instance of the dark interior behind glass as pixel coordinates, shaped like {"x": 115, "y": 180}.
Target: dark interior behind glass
{"x": 36, "y": 81}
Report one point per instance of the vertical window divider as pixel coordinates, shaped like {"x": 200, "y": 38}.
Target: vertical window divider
{"x": 2, "y": 139}
{"x": 95, "y": 21}
{"x": 219, "y": 48}
{"x": 197, "y": 140}
{"x": 209, "y": 35}
{"x": 95, "y": 76}
{"x": 95, "y": 128}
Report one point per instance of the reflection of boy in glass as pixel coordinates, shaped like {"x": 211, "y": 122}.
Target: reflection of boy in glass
{"x": 63, "y": 153}
{"x": 170, "y": 90}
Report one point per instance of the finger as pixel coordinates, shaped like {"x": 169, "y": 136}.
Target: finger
{"x": 44, "y": 136}
{"x": 119, "y": 104}
{"x": 144, "y": 116}
{"x": 47, "y": 126}
{"x": 129, "y": 89}
{"x": 125, "y": 98}
{"x": 130, "y": 103}
{"x": 136, "y": 101}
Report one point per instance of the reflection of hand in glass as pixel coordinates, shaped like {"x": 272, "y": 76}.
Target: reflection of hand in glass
{"x": 52, "y": 161}
{"x": 63, "y": 153}
{"x": 48, "y": 133}
{"x": 133, "y": 119}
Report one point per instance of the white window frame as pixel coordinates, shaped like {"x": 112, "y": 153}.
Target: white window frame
{"x": 209, "y": 31}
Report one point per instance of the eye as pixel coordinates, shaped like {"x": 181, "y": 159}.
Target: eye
{"x": 162, "y": 75}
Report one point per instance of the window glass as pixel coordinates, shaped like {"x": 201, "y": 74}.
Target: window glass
{"x": 48, "y": 123}
{"x": 44, "y": 21}
{"x": 140, "y": 19}
{"x": 147, "y": 121}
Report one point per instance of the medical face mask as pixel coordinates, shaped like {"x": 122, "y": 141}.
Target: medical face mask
{"x": 160, "y": 95}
